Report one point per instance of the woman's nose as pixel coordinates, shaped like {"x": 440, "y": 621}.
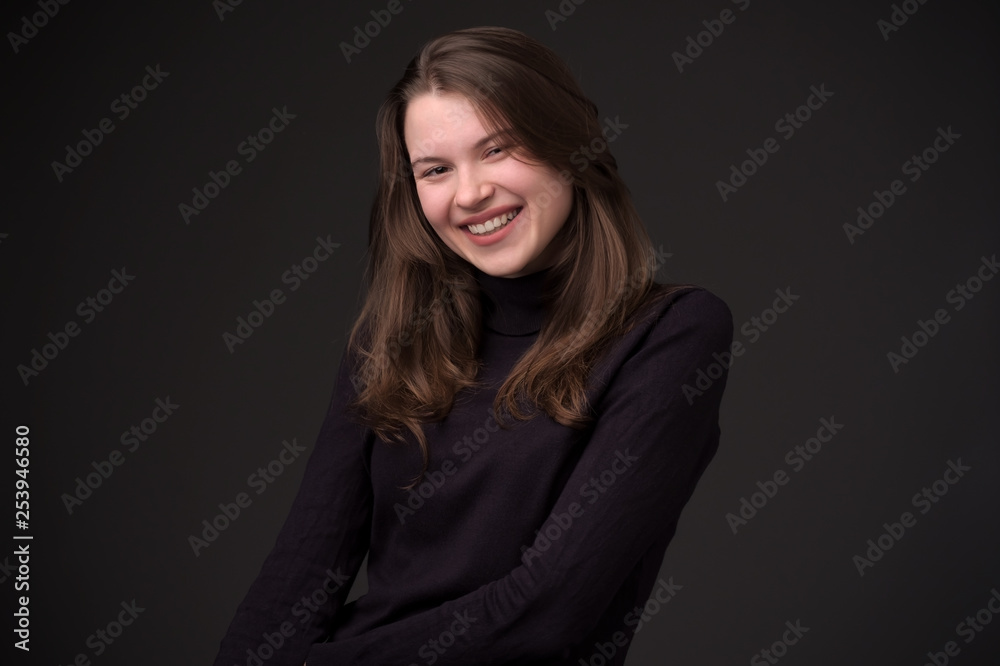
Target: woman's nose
{"x": 473, "y": 188}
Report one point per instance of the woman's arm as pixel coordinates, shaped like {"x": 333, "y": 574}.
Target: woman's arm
{"x": 656, "y": 441}
{"x": 308, "y": 574}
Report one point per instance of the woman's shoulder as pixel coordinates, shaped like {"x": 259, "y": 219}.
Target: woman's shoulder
{"x": 678, "y": 329}
{"x": 685, "y": 306}
{"x": 688, "y": 321}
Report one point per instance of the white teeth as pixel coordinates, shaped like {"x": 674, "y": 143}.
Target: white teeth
{"x": 494, "y": 224}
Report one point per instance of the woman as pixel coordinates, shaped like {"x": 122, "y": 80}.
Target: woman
{"x": 510, "y": 435}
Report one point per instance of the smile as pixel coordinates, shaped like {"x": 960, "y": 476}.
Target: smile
{"x": 491, "y": 226}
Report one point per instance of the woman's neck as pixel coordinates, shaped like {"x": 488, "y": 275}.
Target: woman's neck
{"x": 513, "y": 306}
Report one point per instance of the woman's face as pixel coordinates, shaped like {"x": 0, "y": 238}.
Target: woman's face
{"x": 496, "y": 212}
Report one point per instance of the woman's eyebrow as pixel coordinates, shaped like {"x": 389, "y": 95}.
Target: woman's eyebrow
{"x": 479, "y": 144}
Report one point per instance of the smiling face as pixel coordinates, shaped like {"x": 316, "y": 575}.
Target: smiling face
{"x": 496, "y": 212}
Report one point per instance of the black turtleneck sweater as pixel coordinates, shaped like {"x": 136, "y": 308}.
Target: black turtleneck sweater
{"x": 538, "y": 544}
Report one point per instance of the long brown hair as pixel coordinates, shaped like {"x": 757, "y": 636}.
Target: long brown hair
{"x": 418, "y": 331}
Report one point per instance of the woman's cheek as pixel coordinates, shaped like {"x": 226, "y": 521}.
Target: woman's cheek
{"x": 435, "y": 207}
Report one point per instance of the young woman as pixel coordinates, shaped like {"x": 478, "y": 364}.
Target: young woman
{"x": 517, "y": 421}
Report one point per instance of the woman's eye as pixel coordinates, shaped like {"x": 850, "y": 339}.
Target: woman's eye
{"x": 436, "y": 171}
{"x": 494, "y": 150}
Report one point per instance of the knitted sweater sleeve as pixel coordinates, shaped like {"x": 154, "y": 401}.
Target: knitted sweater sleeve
{"x": 655, "y": 435}
{"x": 306, "y": 577}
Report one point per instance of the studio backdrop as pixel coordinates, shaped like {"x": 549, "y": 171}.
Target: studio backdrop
{"x": 186, "y": 197}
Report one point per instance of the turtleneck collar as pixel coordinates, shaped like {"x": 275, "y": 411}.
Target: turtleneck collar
{"x": 513, "y": 306}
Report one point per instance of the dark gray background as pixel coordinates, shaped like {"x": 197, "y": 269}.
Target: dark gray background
{"x": 825, "y": 357}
